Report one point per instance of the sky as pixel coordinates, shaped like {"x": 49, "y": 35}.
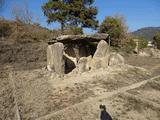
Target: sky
{"x": 137, "y": 13}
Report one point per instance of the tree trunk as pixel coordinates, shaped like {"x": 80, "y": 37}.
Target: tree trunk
{"x": 62, "y": 28}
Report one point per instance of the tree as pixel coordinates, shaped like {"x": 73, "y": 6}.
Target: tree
{"x": 73, "y": 30}
{"x": 142, "y": 42}
{"x": 129, "y": 46}
{"x": 22, "y": 13}
{"x": 5, "y": 29}
{"x": 81, "y": 12}
{"x": 116, "y": 28}
{"x": 77, "y": 13}
{"x": 156, "y": 40}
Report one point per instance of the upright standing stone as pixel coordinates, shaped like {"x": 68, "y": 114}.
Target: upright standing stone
{"x": 100, "y": 58}
{"x": 137, "y": 45}
{"x": 55, "y": 59}
{"x": 84, "y": 64}
{"x": 102, "y": 49}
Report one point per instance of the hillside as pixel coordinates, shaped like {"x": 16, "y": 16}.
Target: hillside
{"x": 147, "y": 32}
{"x": 19, "y": 32}
{"x": 23, "y": 45}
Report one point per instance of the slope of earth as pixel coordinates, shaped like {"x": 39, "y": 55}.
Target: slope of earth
{"x": 19, "y": 32}
{"x": 23, "y": 45}
{"x": 23, "y": 56}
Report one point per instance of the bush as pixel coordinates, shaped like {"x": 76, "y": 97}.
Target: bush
{"x": 129, "y": 46}
{"x": 116, "y": 28}
{"x": 4, "y": 29}
{"x": 142, "y": 42}
{"x": 76, "y": 30}
{"x": 73, "y": 30}
{"x": 156, "y": 40}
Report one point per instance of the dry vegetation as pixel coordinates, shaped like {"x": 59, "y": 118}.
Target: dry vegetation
{"x": 7, "y": 101}
{"x": 23, "y": 33}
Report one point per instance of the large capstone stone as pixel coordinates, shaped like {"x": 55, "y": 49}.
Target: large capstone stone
{"x": 55, "y": 59}
{"x": 116, "y": 59}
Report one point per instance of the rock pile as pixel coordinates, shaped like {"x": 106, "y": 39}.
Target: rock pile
{"x": 101, "y": 59}
{"x": 150, "y": 52}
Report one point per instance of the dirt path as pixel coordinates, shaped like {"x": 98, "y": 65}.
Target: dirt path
{"x": 104, "y": 95}
{"x": 14, "y": 94}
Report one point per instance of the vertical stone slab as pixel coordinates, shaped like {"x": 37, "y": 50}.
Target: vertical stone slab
{"x": 55, "y": 59}
{"x": 102, "y": 49}
{"x": 100, "y": 58}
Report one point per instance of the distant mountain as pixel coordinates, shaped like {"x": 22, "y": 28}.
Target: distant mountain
{"x": 147, "y": 32}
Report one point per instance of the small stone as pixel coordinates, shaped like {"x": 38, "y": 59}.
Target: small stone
{"x": 116, "y": 59}
{"x": 83, "y": 64}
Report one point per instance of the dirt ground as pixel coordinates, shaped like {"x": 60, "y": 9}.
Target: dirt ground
{"x": 130, "y": 92}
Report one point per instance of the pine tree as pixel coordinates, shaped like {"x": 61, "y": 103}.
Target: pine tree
{"x": 77, "y": 13}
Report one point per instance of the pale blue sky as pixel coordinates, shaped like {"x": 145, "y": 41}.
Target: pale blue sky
{"x": 138, "y": 13}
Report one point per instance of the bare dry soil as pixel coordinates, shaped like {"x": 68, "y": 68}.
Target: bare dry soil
{"x": 130, "y": 92}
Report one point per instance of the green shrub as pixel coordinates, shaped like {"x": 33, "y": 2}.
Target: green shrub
{"x": 76, "y": 30}
{"x": 116, "y": 28}
{"x": 142, "y": 43}
{"x": 129, "y": 46}
{"x": 156, "y": 40}
{"x": 4, "y": 29}
{"x": 73, "y": 30}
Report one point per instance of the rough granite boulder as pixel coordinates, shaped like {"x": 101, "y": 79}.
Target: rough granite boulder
{"x": 115, "y": 59}
{"x": 55, "y": 59}
{"x": 83, "y": 64}
{"x": 150, "y": 52}
{"x": 100, "y": 58}
{"x": 102, "y": 49}
{"x": 155, "y": 53}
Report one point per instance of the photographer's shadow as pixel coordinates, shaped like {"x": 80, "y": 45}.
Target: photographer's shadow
{"x": 104, "y": 114}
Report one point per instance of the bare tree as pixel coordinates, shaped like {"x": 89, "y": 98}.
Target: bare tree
{"x": 22, "y": 13}
{"x": 27, "y": 12}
